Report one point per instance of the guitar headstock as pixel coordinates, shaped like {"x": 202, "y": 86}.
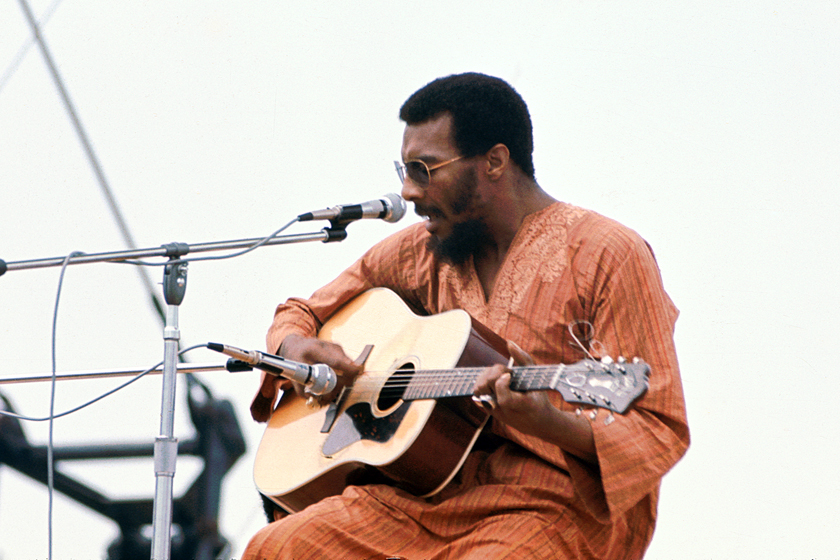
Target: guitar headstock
{"x": 605, "y": 384}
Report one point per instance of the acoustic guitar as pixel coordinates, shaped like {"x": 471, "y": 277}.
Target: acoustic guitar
{"x": 409, "y": 414}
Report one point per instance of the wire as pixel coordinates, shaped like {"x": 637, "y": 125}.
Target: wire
{"x": 52, "y": 415}
{"x": 260, "y": 243}
{"x": 87, "y": 146}
{"x": 50, "y": 454}
{"x": 588, "y": 338}
{"x": 24, "y": 48}
{"x": 100, "y": 397}
{"x": 253, "y": 247}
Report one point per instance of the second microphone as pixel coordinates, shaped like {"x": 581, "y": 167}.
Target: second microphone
{"x": 319, "y": 379}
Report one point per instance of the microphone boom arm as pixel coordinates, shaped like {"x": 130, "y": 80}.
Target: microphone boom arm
{"x": 392, "y": 210}
{"x": 324, "y": 236}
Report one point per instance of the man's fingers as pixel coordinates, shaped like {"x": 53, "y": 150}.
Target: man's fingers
{"x": 520, "y": 356}
{"x": 486, "y": 382}
{"x": 502, "y": 388}
{"x": 317, "y": 351}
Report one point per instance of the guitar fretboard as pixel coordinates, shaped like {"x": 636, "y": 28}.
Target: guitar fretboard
{"x": 436, "y": 384}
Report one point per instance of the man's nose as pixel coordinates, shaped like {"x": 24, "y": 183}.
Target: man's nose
{"x": 410, "y": 191}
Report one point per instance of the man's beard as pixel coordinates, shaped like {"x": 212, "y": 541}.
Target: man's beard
{"x": 467, "y": 238}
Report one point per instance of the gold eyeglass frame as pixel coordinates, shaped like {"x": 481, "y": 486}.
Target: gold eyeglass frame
{"x": 402, "y": 170}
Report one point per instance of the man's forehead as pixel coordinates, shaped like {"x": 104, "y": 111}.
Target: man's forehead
{"x": 430, "y": 139}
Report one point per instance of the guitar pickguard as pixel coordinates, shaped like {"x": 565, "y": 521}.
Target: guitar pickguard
{"x": 357, "y": 423}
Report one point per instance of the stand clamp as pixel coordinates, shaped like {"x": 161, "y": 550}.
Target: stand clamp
{"x": 337, "y": 230}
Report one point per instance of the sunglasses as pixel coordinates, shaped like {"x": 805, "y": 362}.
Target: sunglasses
{"x": 419, "y": 171}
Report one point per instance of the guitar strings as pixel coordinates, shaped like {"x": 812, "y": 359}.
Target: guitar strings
{"x": 396, "y": 382}
{"x": 588, "y": 336}
{"x": 458, "y": 380}
{"x": 445, "y": 375}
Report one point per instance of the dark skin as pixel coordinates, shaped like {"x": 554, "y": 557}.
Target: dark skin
{"x": 502, "y": 196}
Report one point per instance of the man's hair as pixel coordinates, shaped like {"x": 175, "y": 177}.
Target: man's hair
{"x": 485, "y": 111}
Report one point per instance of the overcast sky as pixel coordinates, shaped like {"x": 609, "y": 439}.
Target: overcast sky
{"x": 710, "y": 128}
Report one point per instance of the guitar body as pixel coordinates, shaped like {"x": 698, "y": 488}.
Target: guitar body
{"x": 308, "y": 452}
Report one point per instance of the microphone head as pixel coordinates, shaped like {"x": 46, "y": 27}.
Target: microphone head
{"x": 396, "y": 207}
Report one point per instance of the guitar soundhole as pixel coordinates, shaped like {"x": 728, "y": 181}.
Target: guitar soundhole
{"x": 394, "y": 389}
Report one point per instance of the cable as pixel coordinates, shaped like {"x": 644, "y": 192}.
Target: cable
{"x": 253, "y": 247}
{"x": 24, "y": 48}
{"x": 87, "y": 146}
{"x": 100, "y": 397}
{"x": 52, "y": 415}
{"x": 50, "y": 456}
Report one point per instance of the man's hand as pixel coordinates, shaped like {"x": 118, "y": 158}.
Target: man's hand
{"x": 532, "y": 412}
{"x": 316, "y": 351}
{"x": 525, "y": 411}
{"x": 305, "y": 350}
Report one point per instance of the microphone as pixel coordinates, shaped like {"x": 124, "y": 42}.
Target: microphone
{"x": 390, "y": 208}
{"x": 319, "y": 379}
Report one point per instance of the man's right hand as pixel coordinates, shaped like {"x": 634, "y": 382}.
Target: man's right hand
{"x": 306, "y": 350}
{"x": 316, "y": 351}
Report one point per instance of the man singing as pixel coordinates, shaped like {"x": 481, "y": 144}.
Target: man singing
{"x": 558, "y": 282}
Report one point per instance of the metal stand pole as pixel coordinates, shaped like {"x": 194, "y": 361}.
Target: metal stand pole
{"x": 174, "y": 287}
{"x": 166, "y": 445}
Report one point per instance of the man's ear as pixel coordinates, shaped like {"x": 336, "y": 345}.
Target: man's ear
{"x": 498, "y": 161}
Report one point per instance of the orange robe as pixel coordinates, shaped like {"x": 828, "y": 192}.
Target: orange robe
{"x": 525, "y": 498}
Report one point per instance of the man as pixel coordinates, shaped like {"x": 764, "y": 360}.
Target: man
{"x": 560, "y": 283}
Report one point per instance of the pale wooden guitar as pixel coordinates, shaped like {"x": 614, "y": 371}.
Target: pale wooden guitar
{"x": 398, "y": 416}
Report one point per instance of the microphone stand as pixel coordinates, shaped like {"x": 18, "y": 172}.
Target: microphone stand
{"x": 336, "y": 232}
{"x": 174, "y": 289}
{"x": 166, "y": 445}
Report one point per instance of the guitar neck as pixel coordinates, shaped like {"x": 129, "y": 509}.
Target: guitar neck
{"x": 460, "y": 382}
{"x": 602, "y": 384}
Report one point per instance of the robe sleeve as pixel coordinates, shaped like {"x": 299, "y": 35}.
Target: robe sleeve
{"x": 632, "y": 316}
{"x": 386, "y": 264}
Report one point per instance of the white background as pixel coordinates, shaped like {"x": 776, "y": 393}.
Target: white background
{"x": 711, "y": 128}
